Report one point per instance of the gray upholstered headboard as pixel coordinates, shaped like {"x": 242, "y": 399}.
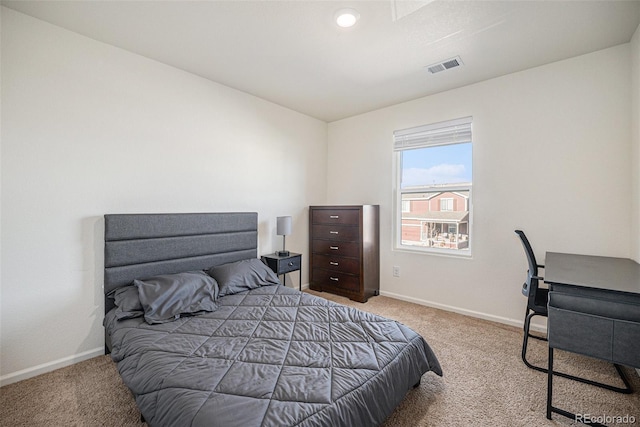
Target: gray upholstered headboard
{"x": 137, "y": 246}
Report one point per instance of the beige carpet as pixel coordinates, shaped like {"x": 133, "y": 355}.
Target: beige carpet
{"x": 485, "y": 383}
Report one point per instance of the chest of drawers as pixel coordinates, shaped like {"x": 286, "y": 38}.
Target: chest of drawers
{"x": 344, "y": 250}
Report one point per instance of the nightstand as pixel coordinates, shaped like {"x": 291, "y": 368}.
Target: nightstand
{"x": 281, "y": 265}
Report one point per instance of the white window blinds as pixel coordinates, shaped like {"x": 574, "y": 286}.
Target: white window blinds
{"x": 450, "y": 132}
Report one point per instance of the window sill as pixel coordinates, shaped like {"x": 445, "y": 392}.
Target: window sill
{"x": 434, "y": 251}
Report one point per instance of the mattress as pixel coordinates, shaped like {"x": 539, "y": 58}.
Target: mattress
{"x": 271, "y": 356}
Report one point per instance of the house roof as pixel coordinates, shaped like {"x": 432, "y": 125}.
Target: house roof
{"x": 439, "y": 216}
{"x": 431, "y": 195}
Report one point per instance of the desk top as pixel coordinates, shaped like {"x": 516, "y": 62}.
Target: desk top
{"x": 615, "y": 274}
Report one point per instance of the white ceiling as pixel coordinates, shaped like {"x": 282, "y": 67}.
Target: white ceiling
{"x": 293, "y": 54}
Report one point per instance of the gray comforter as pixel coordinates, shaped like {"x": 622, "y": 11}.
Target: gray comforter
{"x": 272, "y": 356}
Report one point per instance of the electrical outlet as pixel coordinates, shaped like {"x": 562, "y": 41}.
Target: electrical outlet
{"x": 396, "y": 271}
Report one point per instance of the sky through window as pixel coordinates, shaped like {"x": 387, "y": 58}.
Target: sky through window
{"x": 437, "y": 165}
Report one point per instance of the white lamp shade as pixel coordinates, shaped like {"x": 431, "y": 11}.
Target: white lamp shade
{"x": 283, "y": 227}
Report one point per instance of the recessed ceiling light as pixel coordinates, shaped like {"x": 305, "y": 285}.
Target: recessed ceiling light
{"x": 346, "y": 18}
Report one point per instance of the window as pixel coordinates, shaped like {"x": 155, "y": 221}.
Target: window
{"x": 446, "y": 204}
{"x": 433, "y": 187}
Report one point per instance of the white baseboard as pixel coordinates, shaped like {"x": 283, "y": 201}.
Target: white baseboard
{"x": 49, "y": 366}
{"x": 513, "y": 322}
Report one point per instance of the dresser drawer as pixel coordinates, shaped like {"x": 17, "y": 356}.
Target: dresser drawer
{"x": 335, "y": 279}
{"x": 336, "y": 263}
{"x": 335, "y": 216}
{"x": 336, "y": 232}
{"x": 328, "y": 247}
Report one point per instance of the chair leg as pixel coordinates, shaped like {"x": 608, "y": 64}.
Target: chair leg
{"x": 550, "y": 384}
{"x": 525, "y": 342}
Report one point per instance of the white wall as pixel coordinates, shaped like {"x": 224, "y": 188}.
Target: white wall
{"x": 635, "y": 152}
{"x": 89, "y": 129}
{"x": 551, "y": 156}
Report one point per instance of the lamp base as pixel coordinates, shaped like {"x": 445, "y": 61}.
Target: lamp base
{"x": 283, "y": 253}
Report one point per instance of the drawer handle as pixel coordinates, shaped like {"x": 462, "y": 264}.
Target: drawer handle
{"x": 333, "y": 248}
{"x": 333, "y": 232}
{"x": 333, "y": 263}
{"x": 334, "y": 216}
{"x": 291, "y": 264}
{"x": 335, "y": 279}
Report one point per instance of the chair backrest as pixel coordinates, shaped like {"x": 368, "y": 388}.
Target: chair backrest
{"x": 530, "y": 287}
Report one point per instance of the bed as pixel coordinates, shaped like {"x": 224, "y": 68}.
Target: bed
{"x": 246, "y": 351}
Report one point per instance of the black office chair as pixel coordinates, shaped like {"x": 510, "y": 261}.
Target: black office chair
{"x": 536, "y": 298}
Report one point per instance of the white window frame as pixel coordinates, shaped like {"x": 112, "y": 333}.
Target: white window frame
{"x": 449, "y": 203}
{"x": 442, "y": 133}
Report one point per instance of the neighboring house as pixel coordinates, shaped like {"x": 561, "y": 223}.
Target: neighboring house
{"x": 436, "y": 219}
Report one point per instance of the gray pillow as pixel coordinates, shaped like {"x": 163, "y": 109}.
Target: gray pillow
{"x": 242, "y": 275}
{"x": 167, "y": 297}
{"x": 127, "y": 303}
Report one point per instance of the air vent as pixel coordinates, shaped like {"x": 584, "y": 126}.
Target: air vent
{"x": 444, "y": 65}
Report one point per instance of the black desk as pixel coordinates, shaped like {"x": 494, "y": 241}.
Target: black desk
{"x": 606, "y": 273}
{"x": 594, "y": 310}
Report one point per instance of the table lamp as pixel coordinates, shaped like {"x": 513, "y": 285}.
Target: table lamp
{"x": 283, "y": 229}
